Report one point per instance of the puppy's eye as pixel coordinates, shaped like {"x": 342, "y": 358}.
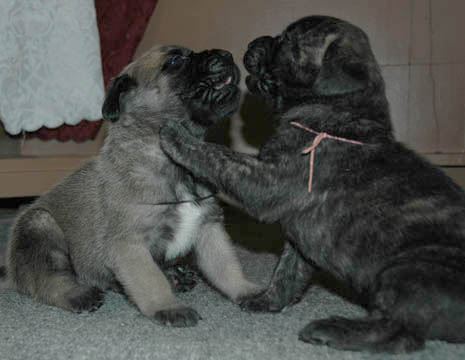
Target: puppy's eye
{"x": 177, "y": 60}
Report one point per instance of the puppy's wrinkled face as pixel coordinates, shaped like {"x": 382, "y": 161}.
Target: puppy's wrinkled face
{"x": 317, "y": 57}
{"x": 166, "y": 77}
{"x": 206, "y": 82}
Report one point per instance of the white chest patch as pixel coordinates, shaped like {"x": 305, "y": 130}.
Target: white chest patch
{"x": 190, "y": 217}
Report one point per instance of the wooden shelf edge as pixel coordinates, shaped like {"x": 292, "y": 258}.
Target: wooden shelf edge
{"x": 41, "y": 164}
{"x": 446, "y": 159}
{"x": 32, "y": 176}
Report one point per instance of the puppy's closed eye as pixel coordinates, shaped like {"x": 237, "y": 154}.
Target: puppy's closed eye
{"x": 176, "y": 62}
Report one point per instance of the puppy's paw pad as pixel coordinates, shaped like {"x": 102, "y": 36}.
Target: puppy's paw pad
{"x": 88, "y": 301}
{"x": 318, "y": 332}
{"x": 181, "y": 317}
{"x": 181, "y": 278}
{"x": 402, "y": 344}
{"x": 373, "y": 335}
{"x": 335, "y": 331}
{"x": 260, "y": 303}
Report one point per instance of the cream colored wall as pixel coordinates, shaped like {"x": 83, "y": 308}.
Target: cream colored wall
{"x": 457, "y": 174}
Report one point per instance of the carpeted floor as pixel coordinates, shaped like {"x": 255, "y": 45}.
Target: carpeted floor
{"x": 29, "y": 330}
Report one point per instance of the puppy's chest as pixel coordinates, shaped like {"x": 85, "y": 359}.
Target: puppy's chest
{"x": 185, "y": 229}
{"x": 173, "y": 231}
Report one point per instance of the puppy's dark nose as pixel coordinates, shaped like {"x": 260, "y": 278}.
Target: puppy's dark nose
{"x": 259, "y": 54}
{"x": 216, "y": 60}
{"x": 224, "y": 53}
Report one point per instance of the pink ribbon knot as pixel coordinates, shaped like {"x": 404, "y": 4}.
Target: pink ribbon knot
{"x": 316, "y": 141}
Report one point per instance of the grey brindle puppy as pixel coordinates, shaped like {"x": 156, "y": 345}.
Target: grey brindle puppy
{"x": 375, "y": 215}
{"x": 116, "y": 219}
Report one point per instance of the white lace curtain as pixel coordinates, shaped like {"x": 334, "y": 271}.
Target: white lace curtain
{"x": 50, "y": 67}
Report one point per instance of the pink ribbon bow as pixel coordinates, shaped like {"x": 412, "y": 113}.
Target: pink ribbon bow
{"x": 316, "y": 141}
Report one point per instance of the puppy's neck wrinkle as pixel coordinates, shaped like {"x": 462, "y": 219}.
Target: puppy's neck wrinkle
{"x": 344, "y": 124}
{"x": 369, "y": 104}
{"x": 158, "y": 119}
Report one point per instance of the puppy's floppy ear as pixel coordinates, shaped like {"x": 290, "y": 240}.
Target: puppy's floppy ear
{"x": 111, "y": 106}
{"x": 341, "y": 72}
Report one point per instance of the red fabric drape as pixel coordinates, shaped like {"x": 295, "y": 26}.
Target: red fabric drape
{"x": 121, "y": 25}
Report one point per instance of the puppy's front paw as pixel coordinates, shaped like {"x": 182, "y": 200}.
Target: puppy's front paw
{"x": 180, "y": 317}
{"x": 262, "y": 302}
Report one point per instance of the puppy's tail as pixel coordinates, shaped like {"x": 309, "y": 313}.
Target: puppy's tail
{"x": 4, "y": 284}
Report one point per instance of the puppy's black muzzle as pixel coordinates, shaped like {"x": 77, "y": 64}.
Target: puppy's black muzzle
{"x": 215, "y": 93}
{"x": 259, "y": 55}
{"x": 258, "y": 60}
{"x": 216, "y": 66}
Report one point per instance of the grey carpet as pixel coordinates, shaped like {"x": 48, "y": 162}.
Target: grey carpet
{"x": 29, "y": 330}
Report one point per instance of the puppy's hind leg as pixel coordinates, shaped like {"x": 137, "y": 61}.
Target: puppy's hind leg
{"x": 39, "y": 265}
{"x": 427, "y": 296}
{"x": 217, "y": 260}
{"x": 418, "y": 300}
